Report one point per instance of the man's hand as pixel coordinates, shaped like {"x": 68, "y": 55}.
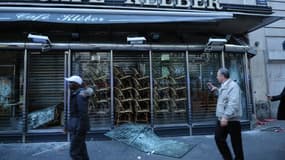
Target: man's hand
{"x": 224, "y": 122}
{"x": 269, "y": 98}
{"x": 212, "y": 87}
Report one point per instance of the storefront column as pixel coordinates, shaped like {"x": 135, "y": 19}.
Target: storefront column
{"x": 247, "y": 85}
{"x": 112, "y": 89}
{"x": 188, "y": 93}
{"x": 223, "y": 57}
{"x": 151, "y": 90}
{"x": 66, "y": 90}
{"x": 25, "y": 87}
{"x": 67, "y": 73}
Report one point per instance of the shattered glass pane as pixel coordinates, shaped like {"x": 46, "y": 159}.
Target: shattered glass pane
{"x": 41, "y": 117}
{"x": 143, "y": 138}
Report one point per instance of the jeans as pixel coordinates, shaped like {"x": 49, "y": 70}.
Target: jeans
{"x": 78, "y": 149}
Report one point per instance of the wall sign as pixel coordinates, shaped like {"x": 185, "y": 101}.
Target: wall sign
{"x": 196, "y": 4}
{"x": 200, "y": 4}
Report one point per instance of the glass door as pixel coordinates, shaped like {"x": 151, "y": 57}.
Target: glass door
{"x": 235, "y": 63}
{"x": 131, "y": 87}
{"x": 202, "y": 69}
{"x": 94, "y": 68}
{"x": 169, "y": 87}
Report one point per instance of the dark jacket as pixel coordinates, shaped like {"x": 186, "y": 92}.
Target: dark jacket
{"x": 79, "y": 120}
{"x": 281, "y": 108}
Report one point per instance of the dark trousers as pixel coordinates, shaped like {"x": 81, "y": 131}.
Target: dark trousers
{"x": 234, "y": 129}
{"x": 78, "y": 150}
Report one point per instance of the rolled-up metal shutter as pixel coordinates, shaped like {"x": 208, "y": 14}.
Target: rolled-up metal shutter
{"x": 46, "y": 80}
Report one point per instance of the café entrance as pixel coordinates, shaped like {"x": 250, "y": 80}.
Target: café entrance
{"x": 154, "y": 85}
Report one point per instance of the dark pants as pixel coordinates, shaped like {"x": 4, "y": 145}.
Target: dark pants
{"x": 234, "y": 129}
{"x": 78, "y": 150}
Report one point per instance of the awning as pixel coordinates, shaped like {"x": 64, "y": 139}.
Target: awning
{"x": 106, "y": 16}
{"x": 128, "y": 19}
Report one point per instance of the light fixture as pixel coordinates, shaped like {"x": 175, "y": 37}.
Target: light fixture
{"x": 39, "y": 39}
{"x": 215, "y": 44}
{"x": 44, "y": 40}
{"x": 217, "y": 41}
{"x": 136, "y": 40}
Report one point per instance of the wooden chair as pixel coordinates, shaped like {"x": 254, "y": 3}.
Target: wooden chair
{"x": 180, "y": 106}
{"x": 128, "y": 92}
{"x": 161, "y": 105}
{"x": 118, "y": 93}
{"x": 124, "y": 112}
{"x": 117, "y": 72}
{"x": 144, "y": 80}
{"x": 172, "y": 81}
{"x": 140, "y": 89}
{"x": 142, "y": 111}
{"x": 118, "y": 83}
{"x": 135, "y": 72}
{"x": 125, "y": 79}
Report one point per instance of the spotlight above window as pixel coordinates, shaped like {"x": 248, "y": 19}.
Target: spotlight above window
{"x": 217, "y": 41}
{"x": 215, "y": 44}
{"x": 39, "y": 39}
{"x": 44, "y": 40}
{"x": 136, "y": 40}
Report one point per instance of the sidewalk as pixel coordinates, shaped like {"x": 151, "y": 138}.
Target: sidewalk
{"x": 258, "y": 145}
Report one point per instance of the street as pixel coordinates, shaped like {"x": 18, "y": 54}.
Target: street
{"x": 259, "y": 144}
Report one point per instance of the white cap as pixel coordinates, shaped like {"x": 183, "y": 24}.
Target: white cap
{"x": 75, "y": 79}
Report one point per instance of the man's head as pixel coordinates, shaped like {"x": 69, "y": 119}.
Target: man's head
{"x": 74, "y": 82}
{"x": 223, "y": 74}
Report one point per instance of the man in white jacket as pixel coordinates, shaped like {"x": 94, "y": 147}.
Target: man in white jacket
{"x": 228, "y": 112}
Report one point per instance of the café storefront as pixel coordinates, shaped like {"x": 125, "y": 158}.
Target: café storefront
{"x": 160, "y": 81}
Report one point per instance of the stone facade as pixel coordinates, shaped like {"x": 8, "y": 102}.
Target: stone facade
{"x": 268, "y": 66}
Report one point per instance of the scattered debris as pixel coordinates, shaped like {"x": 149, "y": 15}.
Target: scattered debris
{"x": 50, "y": 149}
{"x": 273, "y": 129}
{"x": 143, "y": 138}
{"x": 264, "y": 121}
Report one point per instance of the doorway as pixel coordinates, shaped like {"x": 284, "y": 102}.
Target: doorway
{"x": 45, "y": 107}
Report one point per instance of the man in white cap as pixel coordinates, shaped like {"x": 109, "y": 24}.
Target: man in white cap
{"x": 78, "y": 124}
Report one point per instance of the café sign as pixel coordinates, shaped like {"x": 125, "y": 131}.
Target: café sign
{"x": 195, "y": 4}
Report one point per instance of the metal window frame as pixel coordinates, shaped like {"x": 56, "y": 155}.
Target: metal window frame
{"x": 188, "y": 79}
{"x": 111, "y": 47}
{"x": 151, "y": 90}
{"x": 120, "y": 47}
{"x": 68, "y": 73}
{"x": 112, "y": 89}
{"x": 25, "y": 88}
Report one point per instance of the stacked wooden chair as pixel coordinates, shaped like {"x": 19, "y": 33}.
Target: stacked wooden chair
{"x": 142, "y": 92}
{"x": 132, "y": 96}
{"x": 99, "y": 103}
{"x": 170, "y": 93}
{"x": 124, "y": 97}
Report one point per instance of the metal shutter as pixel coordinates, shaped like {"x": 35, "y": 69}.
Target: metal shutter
{"x": 46, "y": 83}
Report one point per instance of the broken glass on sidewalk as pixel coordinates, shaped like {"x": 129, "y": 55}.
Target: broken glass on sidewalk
{"x": 143, "y": 138}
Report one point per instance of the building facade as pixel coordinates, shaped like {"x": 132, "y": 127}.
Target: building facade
{"x": 148, "y": 62}
{"x": 268, "y": 66}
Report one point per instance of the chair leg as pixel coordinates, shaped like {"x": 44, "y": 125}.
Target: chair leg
{"x": 118, "y": 119}
{"x": 146, "y": 114}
